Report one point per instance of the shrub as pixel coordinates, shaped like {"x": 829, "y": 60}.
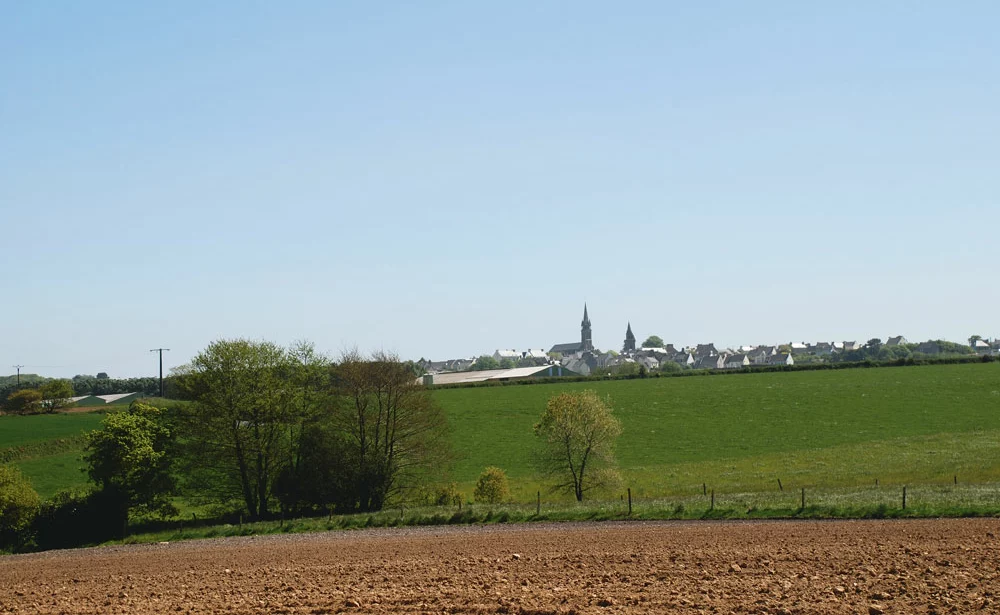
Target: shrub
{"x": 448, "y": 495}
{"x": 18, "y": 506}
{"x": 492, "y": 487}
{"x": 25, "y": 401}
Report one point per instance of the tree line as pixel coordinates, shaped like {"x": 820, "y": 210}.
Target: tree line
{"x": 60, "y": 390}
{"x": 262, "y": 431}
{"x": 265, "y": 430}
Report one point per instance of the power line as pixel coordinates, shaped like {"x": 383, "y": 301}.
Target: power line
{"x": 18, "y": 368}
{"x": 161, "y": 351}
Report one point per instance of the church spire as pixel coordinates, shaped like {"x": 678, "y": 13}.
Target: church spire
{"x": 586, "y": 341}
{"x": 629, "y": 339}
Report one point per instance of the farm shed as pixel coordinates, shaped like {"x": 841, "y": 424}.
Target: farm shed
{"x": 87, "y": 401}
{"x": 517, "y": 373}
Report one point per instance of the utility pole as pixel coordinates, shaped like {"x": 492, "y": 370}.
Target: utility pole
{"x": 160, "y": 350}
{"x": 18, "y": 368}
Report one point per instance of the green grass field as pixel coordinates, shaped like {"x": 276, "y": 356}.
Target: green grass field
{"x": 836, "y": 428}
{"x": 21, "y": 430}
{"x": 48, "y": 448}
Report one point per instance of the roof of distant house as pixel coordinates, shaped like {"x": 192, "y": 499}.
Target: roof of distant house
{"x": 564, "y": 348}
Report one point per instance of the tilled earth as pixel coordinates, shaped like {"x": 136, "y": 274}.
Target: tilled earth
{"x": 868, "y": 567}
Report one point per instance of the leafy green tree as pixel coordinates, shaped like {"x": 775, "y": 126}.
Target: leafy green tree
{"x": 394, "y": 430}
{"x": 311, "y": 475}
{"x": 629, "y": 368}
{"x": 952, "y": 348}
{"x": 577, "y": 432}
{"x": 506, "y": 364}
{"x": 653, "y": 341}
{"x": 485, "y": 362}
{"x": 237, "y": 430}
{"x": 872, "y": 348}
{"x": 56, "y": 394}
{"x": 25, "y": 401}
{"x": 129, "y": 461}
{"x": 670, "y": 367}
{"x": 18, "y": 506}
{"x": 492, "y": 486}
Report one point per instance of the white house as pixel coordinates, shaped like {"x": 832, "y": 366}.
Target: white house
{"x": 502, "y": 354}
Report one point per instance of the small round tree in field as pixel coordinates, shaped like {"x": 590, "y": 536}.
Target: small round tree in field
{"x": 492, "y": 487}
{"x": 577, "y": 434}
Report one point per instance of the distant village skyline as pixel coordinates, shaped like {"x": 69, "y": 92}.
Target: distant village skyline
{"x": 582, "y": 357}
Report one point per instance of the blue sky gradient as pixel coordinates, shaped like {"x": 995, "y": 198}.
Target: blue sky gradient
{"x": 444, "y": 179}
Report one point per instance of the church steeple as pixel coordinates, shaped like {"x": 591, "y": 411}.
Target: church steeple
{"x": 629, "y": 340}
{"x": 586, "y": 342}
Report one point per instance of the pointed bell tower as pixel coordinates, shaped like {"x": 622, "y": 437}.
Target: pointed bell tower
{"x": 586, "y": 341}
{"x": 629, "y": 340}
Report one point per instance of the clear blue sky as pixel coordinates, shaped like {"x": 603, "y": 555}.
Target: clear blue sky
{"x": 444, "y": 179}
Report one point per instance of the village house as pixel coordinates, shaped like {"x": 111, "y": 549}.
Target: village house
{"x": 781, "y": 359}
{"x": 509, "y": 354}
{"x": 929, "y": 347}
{"x": 710, "y": 362}
{"x": 736, "y": 361}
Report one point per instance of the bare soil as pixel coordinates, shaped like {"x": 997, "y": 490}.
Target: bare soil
{"x": 868, "y": 567}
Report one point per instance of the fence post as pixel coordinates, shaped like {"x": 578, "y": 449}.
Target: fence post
{"x": 630, "y": 501}
{"x": 956, "y": 479}
{"x": 712, "y": 507}
{"x": 780, "y": 488}
{"x": 538, "y": 503}
{"x": 803, "y": 498}
{"x": 904, "y": 497}
{"x": 704, "y": 490}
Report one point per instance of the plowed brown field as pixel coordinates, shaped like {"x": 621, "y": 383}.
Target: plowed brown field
{"x": 926, "y": 566}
